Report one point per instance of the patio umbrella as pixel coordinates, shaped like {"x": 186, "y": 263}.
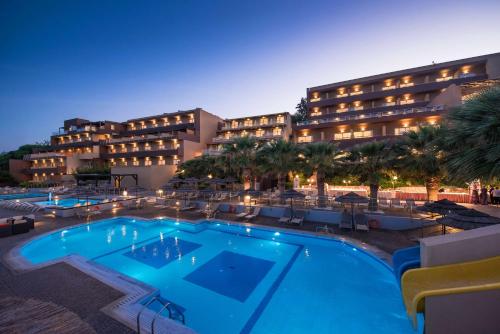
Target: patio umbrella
{"x": 352, "y": 198}
{"x": 292, "y": 194}
{"x": 468, "y": 219}
{"x": 442, "y": 207}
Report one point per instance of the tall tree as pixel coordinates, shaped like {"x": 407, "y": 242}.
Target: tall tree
{"x": 278, "y": 158}
{"x": 300, "y": 111}
{"x": 472, "y": 138}
{"x": 241, "y": 155}
{"x": 320, "y": 159}
{"x": 371, "y": 162}
{"x": 419, "y": 156}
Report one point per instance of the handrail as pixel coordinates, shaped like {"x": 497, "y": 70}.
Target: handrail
{"x": 166, "y": 305}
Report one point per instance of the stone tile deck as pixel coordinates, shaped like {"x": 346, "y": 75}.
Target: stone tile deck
{"x": 63, "y": 285}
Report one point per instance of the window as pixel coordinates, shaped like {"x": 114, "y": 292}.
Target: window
{"x": 363, "y": 134}
{"x": 248, "y": 122}
{"x": 342, "y": 135}
{"x": 277, "y": 132}
{"x": 161, "y": 162}
{"x": 264, "y": 121}
{"x": 234, "y": 124}
{"x": 148, "y": 162}
{"x": 403, "y": 130}
{"x": 304, "y": 139}
{"x": 259, "y": 133}
{"x": 280, "y": 119}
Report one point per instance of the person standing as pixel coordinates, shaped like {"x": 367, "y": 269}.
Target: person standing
{"x": 496, "y": 196}
{"x": 491, "y": 193}
{"x": 483, "y": 196}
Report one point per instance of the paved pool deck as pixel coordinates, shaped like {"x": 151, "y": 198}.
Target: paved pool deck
{"x": 63, "y": 285}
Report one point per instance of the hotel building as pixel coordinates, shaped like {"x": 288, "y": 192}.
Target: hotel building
{"x": 388, "y": 105}
{"x": 153, "y": 146}
{"x": 262, "y": 127}
{"x": 75, "y": 145}
{"x": 149, "y": 148}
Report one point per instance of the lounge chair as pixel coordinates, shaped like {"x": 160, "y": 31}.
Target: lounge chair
{"x": 285, "y": 218}
{"x": 244, "y": 213}
{"x": 345, "y": 220}
{"x": 20, "y": 225}
{"x": 187, "y": 206}
{"x": 396, "y": 203}
{"x": 384, "y": 203}
{"x": 254, "y": 214}
{"x": 361, "y": 222}
{"x": 298, "y": 218}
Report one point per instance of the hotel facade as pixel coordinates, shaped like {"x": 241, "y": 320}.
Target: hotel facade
{"x": 373, "y": 108}
{"x": 262, "y": 127}
{"x": 388, "y": 105}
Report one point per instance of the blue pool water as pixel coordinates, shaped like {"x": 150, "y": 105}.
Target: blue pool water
{"x": 68, "y": 202}
{"x": 21, "y": 195}
{"x": 236, "y": 279}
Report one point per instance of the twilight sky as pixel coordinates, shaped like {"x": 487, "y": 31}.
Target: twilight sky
{"x": 115, "y": 60}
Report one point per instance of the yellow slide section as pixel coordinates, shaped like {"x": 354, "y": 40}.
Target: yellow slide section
{"x": 416, "y": 284}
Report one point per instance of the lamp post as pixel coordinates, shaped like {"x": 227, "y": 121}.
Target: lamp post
{"x": 394, "y": 179}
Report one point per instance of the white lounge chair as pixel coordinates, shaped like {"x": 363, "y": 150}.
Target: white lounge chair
{"x": 254, "y": 214}
{"x": 286, "y": 217}
{"x": 345, "y": 220}
{"x": 298, "y": 218}
{"x": 244, "y": 213}
{"x": 361, "y": 222}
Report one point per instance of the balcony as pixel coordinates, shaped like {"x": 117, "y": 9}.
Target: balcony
{"x": 441, "y": 79}
{"x": 389, "y": 87}
{"x": 141, "y": 154}
{"x": 252, "y": 125}
{"x": 377, "y": 115}
{"x": 304, "y": 139}
{"x": 410, "y": 87}
{"x": 138, "y": 138}
{"x": 359, "y": 92}
{"x": 315, "y": 99}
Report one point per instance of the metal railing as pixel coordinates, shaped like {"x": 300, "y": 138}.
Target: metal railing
{"x": 372, "y": 115}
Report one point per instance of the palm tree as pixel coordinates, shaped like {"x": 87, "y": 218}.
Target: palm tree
{"x": 241, "y": 156}
{"x": 419, "y": 156}
{"x": 278, "y": 158}
{"x": 370, "y": 162}
{"x": 472, "y": 138}
{"x": 319, "y": 158}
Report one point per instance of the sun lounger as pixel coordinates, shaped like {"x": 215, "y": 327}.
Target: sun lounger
{"x": 346, "y": 220}
{"x": 396, "y": 203}
{"x": 298, "y": 218}
{"x": 254, "y": 214}
{"x": 361, "y": 222}
{"x": 285, "y": 218}
{"x": 384, "y": 203}
{"x": 245, "y": 212}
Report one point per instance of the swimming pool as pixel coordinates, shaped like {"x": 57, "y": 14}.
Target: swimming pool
{"x": 68, "y": 202}
{"x": 236, "y": 279}
{"x": 21, "y": 195}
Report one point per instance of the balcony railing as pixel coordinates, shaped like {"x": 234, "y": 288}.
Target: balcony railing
{"x": 394, "y": 86}
{"x": 255, "y": 124}
{"x": 138, "y": 138}
{"x": 373, "y": 115}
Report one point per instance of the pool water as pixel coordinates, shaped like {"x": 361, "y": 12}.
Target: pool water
{"x": 21, "y": 195}
{"x": 68, "y": 202}
{"x": 236, "y": 279}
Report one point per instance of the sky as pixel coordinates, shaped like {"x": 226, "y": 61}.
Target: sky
{"x": 116, "y": 60}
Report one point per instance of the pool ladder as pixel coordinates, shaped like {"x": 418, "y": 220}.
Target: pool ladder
{"x": 165, "y": 306}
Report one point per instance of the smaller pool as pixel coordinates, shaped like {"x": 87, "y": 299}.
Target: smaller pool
{"x": 21, "y": 195}
{"x": 69, "y": 202}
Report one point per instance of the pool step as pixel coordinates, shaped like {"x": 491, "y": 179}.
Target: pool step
{"x": 175, "y": 312}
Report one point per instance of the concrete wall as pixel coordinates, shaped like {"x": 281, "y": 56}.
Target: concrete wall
{"x": 451, "y": 97}
{"x": 469, "y": 245}
{"x": 493, "y": 67}
{"x": 150, "y": 177}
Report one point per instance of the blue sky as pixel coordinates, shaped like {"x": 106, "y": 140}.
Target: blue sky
{"x": 115, "y": 60}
